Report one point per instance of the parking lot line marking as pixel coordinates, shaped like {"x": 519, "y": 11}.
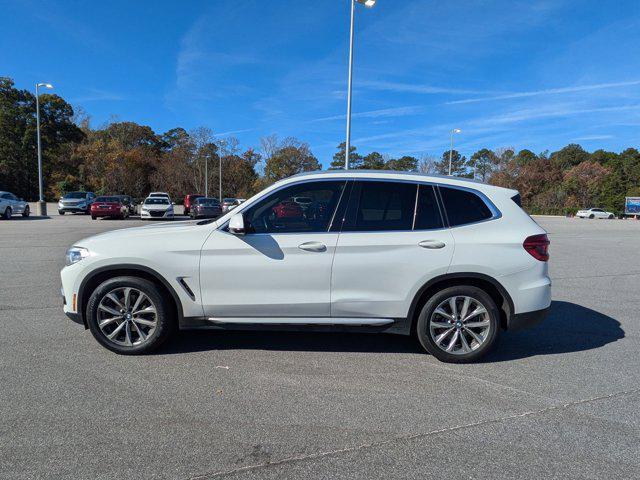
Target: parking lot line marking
{"x": 413, "y": 436}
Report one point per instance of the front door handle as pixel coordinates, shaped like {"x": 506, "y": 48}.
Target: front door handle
{"x": 313, "y": 247}
{"x": 433, "y": 244}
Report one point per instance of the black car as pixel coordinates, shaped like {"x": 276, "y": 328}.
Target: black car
{"x": 128, "y": 202}
{"x": 206, "y": 208}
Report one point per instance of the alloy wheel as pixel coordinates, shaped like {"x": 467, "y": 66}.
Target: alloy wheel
{"x": 127, "y": 317}
{"x": 460, "y": 325}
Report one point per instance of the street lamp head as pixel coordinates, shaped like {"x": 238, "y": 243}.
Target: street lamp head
{"x": 45, "y": 85}
{"x": 367, "y": 3}
{"x": 456, "y": 130}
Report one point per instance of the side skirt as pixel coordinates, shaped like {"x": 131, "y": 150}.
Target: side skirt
{"x": 365, "y": 325}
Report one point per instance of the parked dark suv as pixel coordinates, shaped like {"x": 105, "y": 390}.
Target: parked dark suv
{"x": 127, "y": 201}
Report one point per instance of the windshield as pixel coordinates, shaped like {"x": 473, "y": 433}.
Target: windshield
{"x": 156, "y": 201}
{"x": 165, "y": 195}
{"x": 108, "y": 199}
{"x": 229, "y": 200}
{"x": 208, "y": 202}
{"x": 75, "y": 195}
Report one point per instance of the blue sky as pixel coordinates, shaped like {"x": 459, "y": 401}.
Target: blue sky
{"x": 523, "y": 74}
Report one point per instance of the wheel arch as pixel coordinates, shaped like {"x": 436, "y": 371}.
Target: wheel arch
{"x": 99, "y": 275}
{"x": 489, "y": 284}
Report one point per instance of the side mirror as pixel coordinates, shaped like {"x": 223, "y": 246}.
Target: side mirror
{"x": 236, "y": 225}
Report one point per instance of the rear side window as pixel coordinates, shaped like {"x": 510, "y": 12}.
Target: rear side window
{"x": 381, "y": 206}
{"x": 428, "y": 214}
{"x": 463, "y": 206}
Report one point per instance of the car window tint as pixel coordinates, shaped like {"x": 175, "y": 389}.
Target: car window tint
{"x": 279, "y": 212}
{"x": 428, "y": 214}
{"x": 463, "y": 206}
{"x": 379, "y": 206}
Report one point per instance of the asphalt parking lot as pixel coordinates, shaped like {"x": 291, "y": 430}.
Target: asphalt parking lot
{"x": 559, "y": 401}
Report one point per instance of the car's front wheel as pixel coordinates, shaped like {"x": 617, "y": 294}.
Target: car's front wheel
{"x": 459, "y": 324}
{"x": 7, "y": 213}
{"x": 129, "y": 315}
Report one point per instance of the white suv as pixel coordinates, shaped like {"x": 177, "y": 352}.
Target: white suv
{"x": 449, "y": 260}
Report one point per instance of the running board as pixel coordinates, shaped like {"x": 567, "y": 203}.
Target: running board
{"x": 301, "y": 321}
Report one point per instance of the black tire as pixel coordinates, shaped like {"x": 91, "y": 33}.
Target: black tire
{"x": 165, "y": 318}
{"x": 592, "y": 216}
{"x": 423, "y": 324}
{"x": 93, "y": 217}
{"x": 26, "y": 212}
{"x": 7, "y": 213}
{"x": 60, "y": 212}
{"x": 611, "y": 217}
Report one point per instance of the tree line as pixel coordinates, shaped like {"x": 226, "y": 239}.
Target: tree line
{"x": 128, "y": 158}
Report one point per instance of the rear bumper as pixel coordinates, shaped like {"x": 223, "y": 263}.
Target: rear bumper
{"x": 520, "y": 321}
{"x": 105, "y": 213}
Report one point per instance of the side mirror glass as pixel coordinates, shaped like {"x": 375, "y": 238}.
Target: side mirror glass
{"x": 236, "y": 225}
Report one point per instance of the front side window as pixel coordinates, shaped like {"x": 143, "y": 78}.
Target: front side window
{"x": 464, "y": 207}
{"x": 381, "y": 206}
{"x": 283, "y": 212}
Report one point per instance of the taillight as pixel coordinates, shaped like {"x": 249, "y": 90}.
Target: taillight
{"x": 537, "y": 246}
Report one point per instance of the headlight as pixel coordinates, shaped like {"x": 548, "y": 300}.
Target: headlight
{"x": 75, "y": 254}
{"x": 145, "y": 209}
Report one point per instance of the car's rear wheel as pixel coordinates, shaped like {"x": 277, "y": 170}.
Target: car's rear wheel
{"x": 592, "y": 216}
{"x": 611, "y": 217}
{"x": 459, "y": 324}
{"x": 26, "y": 211}
{"x": 7, "y": 213}
{"x": 129, "y": 315}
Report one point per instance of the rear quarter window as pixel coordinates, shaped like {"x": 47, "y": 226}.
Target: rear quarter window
{"x": 464, "y": 207}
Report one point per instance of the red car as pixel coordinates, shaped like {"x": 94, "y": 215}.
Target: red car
{"x": 288, "y": 209}
{"x": 109, "y": 207}
{"x": 189, "y": 200}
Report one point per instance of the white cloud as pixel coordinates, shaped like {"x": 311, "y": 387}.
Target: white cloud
{"x": 550, "y": 91}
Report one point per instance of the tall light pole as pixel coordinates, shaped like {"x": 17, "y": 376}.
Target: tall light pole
{"x": 455, "y": 130}
{"x": 42, "y": 205}
{"x": 220, "y": 177}
{"x": 366, "y": 3}
{"x": 206, "y": 175}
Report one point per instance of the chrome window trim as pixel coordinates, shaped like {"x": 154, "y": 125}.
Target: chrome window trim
{"x": 496, "y": 213}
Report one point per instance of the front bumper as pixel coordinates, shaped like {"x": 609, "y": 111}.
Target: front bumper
{"x": 520, "y": 321}
{"x": 156, "y": 214}
{"x": 73, "y": 209}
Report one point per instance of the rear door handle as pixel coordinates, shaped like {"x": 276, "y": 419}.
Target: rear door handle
{"x": 433, "y": 244}
{"x": 313, "y": 247}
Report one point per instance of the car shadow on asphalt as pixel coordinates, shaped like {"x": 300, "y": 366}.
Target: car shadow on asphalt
{"x": 203, "y": 340}
{"x": 568, "y": 328}
{"x": 30, "y": 217}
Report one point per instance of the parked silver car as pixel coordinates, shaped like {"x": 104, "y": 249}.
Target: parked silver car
{"x": 12, "y": 205}
{"x": 76, "y": 202}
